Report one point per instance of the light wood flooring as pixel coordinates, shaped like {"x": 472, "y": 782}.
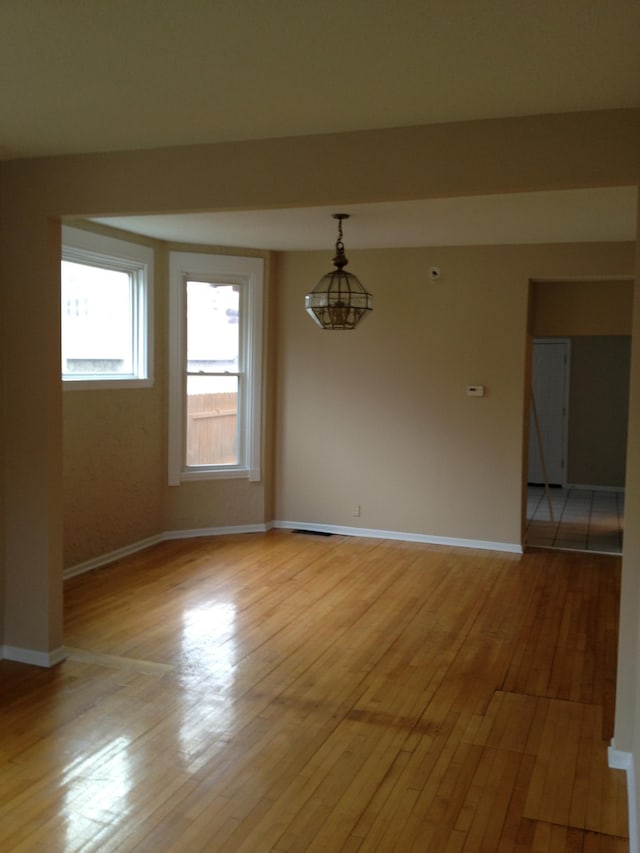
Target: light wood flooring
{"x": 283, "y": 692}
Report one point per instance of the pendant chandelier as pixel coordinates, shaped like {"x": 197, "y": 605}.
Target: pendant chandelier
{"x": 338, "y": 301}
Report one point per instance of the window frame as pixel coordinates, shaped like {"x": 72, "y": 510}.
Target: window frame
{"x": 91, "y": 249}
{"x": 248, "y": 273}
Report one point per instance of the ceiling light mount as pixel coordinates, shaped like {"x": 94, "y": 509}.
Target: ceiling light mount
{"x": 338, "y": 301}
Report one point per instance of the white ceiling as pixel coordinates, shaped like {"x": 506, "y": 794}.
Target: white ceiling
{"x": 103, "y": 75}
{"x": 543, "y": 217}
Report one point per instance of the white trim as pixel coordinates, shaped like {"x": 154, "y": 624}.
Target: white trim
{"x": 32, "y": 657}
{"x": 221, "y": 473}
{"x": 198, "y": 532}
{"x": 248, "y": 272}
{"x": 509, "y": 547}
{"x": 632, "y": 808}
{"x": 216, "y": 531}
{"x": 98, "y": 382}
{"x": 619, "y": 760}
{"x": 111, "y": 556}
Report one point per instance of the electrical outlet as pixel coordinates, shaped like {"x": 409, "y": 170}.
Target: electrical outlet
{"x": 356, "y": 511}
{"x": 475, "y": 390}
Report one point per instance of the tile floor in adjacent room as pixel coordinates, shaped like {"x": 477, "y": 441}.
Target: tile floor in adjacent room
{"x": 579, "y": 519}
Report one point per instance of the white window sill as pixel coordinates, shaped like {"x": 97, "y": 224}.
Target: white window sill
{"x": 193, "y": 475}
{"x": 102, "y": 384}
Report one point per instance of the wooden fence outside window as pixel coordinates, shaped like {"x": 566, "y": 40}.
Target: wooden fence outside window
{"x": 212, "y": 429}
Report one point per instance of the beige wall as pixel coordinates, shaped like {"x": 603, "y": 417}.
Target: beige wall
{"x": 627, "y": 722}
{"x": 628, "y": 683}
{"x": 562, "y": 309}
{"x": 32, "y": 413}
{"x": 379, "y": 418}
{"x": 114, "y": 467}
{"x": 598, "y": 410}
{"x": 386, "y": 411}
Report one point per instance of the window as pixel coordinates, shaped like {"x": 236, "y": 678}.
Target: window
{"x": 106, "y": 311}
{"x": 215, "y": 378}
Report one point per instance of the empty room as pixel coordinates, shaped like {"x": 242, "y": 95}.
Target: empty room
{"x": 265, "y": 571}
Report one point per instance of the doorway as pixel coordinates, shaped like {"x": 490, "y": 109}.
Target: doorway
{"x": 577, "y": 442}
{"x": 589, "y": 398}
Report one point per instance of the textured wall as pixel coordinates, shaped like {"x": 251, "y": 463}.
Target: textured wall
{"x": 115, "y": 455}
{"x": 113, "y": 469}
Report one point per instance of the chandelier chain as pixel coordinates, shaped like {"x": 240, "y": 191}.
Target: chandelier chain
{"x": 339, "y": 243}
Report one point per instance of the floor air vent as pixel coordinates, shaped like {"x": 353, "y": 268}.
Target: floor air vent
{"x": 313, "y": 532}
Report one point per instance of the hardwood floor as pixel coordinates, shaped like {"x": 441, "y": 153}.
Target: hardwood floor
{"x": 283, "y": 692}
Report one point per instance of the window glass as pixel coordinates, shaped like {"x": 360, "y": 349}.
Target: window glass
{"x": 106, "y": 319}
{"x": 213, "y": 378}
{"x": 97, "y": 321}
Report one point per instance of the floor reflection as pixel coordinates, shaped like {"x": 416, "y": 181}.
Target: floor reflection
{"x": 208, "y": 642}
{"x": 97, "y": 788}
{"x": 208, "y": 666}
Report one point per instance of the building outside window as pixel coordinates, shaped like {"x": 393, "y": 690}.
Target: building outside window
{"x": 106, "y": 292}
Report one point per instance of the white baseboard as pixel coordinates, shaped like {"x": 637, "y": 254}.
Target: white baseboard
{"x": 510, "y": 547}
{"x": 619, "y": 760}
{"x": 215, "y": 531}
{"x": 105, "y": 559}
{"x": 34, "y": 658}
{"x": 111, "y": 556}
{"x": 632, "y": 806}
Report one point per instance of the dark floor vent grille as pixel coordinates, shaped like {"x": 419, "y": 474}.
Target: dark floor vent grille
{"x": 313, "y": 532}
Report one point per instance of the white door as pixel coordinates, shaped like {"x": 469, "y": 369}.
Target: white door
{"x": 550, "y": 394}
